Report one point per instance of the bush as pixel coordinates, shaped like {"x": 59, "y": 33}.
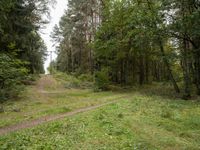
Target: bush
{"x": 11, "y": 76}
{"x": 83, "y": 81}
{"x": 86, "y": 78}
{"x": 74, "y": 83}
{"x": 102, "y": 80}
{"x": 30, "y": 79}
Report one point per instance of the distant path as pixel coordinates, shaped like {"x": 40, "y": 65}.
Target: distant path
{"x": 29, "y": 124}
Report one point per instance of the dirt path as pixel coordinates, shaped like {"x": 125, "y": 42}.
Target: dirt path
{"x": 29, "y": 124}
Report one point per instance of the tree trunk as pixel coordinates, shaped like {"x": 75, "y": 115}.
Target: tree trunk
{"x": 187, "y": 83}
{"x": 147, "y": 69}
{"x": 141, "y": 72}
{"x": 176, "y": 88}
{"x": 197, "y": 73}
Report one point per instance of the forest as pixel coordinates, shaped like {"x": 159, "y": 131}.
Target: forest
{"x": 126, "y": 75}
{"x": 22, "y": 50}
{"x": 132, "y": 42}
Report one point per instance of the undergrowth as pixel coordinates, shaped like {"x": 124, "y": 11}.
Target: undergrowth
{"x": 83, "y": 81}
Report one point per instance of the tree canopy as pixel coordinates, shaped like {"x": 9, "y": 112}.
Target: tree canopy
{"x": 135, "y": 41}
{"x": 21, "y": 46}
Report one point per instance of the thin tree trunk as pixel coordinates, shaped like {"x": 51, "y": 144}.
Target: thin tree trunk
{"x": 147, "y": 69}
{"x": 141, "y": 73}
{"x": 197, "y": 72}
{"x": 176, "y": 88}
{"x": 187, "y": 93}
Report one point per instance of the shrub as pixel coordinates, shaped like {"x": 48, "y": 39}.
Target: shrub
{"x": 86, "y": 78}
{"x": 30, "y": 79}
{"x": 11, "y": 76}
{"x": 83, "y": 81}
{"x": 102, "y": 80}
{"x": 74, "y": 83}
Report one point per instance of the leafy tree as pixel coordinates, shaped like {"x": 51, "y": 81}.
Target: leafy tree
{"x": 139, "y": 41}
{"x": 12, "y": 73}
{"x": 21, "y": 46}
{"x": 75, "y": 34}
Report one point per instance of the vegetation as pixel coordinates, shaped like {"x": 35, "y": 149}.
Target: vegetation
{"x": 139, "y": 42}
{"x": 139, "y": 121}
{"x": 83, "y": 81}
{"x": 51, "y": 96}
{"x": 11, "y": 74}
{"x": 122, "y": 72}
{"x": 22, "y": 51}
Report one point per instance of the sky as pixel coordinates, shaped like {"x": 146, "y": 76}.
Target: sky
{"x": 56, "y": 13}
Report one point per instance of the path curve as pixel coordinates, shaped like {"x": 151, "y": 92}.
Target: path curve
{"x": 33, "y": 123}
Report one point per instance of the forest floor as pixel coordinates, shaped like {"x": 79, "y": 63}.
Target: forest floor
{"x": 51, "y": 116}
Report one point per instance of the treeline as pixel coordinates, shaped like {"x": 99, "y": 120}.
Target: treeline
{"x": 22, "y": 51}
{"x": 132, "y": 41}
{"x": 75, "y": 33}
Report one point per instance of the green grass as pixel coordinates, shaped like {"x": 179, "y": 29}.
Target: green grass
{"x": 37, "y": 105}
{"x": 138, "y": 122}
{"x": 147, "y": 117}
{"x": 53, "y": 98}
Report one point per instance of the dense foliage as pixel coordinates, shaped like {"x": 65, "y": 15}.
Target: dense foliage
{"x": 22, "y": 51}
{"x": 11, "y": 74}
{"x": 137, "y": 41}
{"x": 75, "y": 34}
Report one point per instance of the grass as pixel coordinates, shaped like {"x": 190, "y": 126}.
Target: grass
{"x": 145, "y": 118}
{"x": 138, "y": 122}
{"x": 42, "y": 104}
{"x": 50, "y": 97}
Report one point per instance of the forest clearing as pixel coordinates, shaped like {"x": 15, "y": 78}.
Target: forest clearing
{"x": 100, "y": 74}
